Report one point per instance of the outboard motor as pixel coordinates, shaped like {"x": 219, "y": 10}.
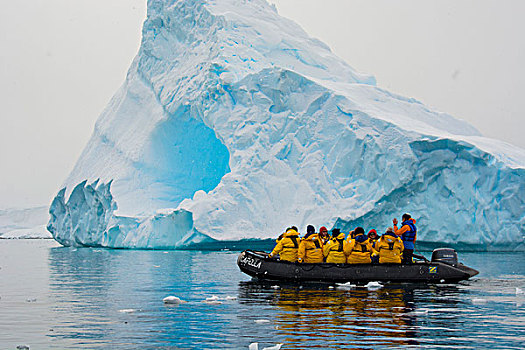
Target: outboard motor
{"x": 445, "y": 255}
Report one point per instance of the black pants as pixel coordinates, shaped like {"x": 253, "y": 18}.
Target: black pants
{"x": 407, "y": 256}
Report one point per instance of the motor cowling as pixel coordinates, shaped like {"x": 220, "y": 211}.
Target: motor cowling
{"x": 445, "y": 255}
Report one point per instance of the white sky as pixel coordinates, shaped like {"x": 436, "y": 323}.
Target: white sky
{"x": 62, "y": 60}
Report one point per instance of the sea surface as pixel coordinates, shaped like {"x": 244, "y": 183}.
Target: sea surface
{"x": 53, "y": 297}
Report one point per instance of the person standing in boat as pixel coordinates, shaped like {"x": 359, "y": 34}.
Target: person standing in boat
{"x": 334, "y": 250}
{"x": 310, "y": 248}
{"x": 359, "y": 250}
{"x": 287, "y": 247}
{"x": 408, "y": 234}
{"x": 390, "y": 248}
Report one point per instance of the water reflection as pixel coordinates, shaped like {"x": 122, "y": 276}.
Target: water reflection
{"x": 113, "y": 299}
{"x": 105, "y": 295}
{"x": 327, "y": 317}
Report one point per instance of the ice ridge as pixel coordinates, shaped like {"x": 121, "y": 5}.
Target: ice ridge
{"x": 233, "y": 123}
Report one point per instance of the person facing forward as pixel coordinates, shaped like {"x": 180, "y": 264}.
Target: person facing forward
{"x": 389, "y": 247}
{"x": 334, "y": 250}
{"x": 310, "y": 248}
{"x": 360, "y": 248}
{"x": 323, "y": 234}
{"x": 373, "y": 237}
{"x": 408, "y": 234}
{"x": 288, "y": 246}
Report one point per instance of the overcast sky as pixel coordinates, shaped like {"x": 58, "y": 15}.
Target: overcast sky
{"x": 62, "y": 60}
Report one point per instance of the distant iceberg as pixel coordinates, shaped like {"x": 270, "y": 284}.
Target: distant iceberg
{"x": 24, "y": 223}
{"x": 233, "y": 123}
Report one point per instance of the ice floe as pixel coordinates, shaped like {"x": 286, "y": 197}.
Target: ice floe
{"x": 374, "y": 285}
{"x": 173, "y": 300}
{"x": 262, "y": 321}
{"x": 255, "y": 346}
{"x": 127, "y": 311}
{"x": 345, "y": 286}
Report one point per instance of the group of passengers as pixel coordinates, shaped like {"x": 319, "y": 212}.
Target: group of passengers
{"x": 395, "y": 246}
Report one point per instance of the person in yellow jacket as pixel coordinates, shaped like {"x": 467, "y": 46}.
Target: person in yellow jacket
{"x": 390, "y": 248}
{"x": 334, "y": 249}
{"x": 311, "y": 247}
{"x": 323, "y": 234}
{"x": 360, "y": 248}
{"x": 288, "y": 246}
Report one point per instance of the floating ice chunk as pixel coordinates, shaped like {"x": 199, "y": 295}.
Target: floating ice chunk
{"x": 331, "y": 287}
{"x": 127, "y": 311}
{"x": 255, "y": 346}
{"x": 262, "y": 321}
{"x": 172, "y": 300}
{"x": 156, "y": 265}
{"x": 519, "y": 291}
{"x": 276, "y": 287}
{"x": 213, "y": 302}
{"x": 374, "y": 285}
{"x": 275, "y": 347}
{"x": 345, "y": 286}
{"x": 212, "y": 298}
{"x": 231, "y": 298}
{"x": 479, "y": 301}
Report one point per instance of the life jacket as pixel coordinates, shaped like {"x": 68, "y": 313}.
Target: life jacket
{"x": 373, "y": 242}
{"x": 409, "y": 236}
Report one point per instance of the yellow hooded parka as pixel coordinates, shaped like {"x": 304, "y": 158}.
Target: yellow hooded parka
{"x": 287, "y": 247}
{"x": 359, "y": 250}
{"x": 334, "y": 249}
{"x": 390, "y": 249}
{"x": 311, "y": 250}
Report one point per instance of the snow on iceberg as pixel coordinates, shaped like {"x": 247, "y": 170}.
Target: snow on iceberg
{"x": 233, "y": 123}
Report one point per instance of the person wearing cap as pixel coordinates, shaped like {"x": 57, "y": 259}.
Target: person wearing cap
{"x": 390, "y": 248}
{"x": 408, "y": 234}
{"x": 310, "y": 248}
{"x": 323, "y": 235}
{"x": 288, "y": 246}
{"x": 360, "y": 248}
{"x": 334, "y": 249}
{"x": 373, "y": 237}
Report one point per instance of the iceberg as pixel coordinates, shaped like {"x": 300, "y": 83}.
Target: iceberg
{"x": 233, "y": 123}
{"x": 27, "y": 223}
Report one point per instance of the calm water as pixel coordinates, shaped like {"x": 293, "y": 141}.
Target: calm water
{"x": 60, "y": 298}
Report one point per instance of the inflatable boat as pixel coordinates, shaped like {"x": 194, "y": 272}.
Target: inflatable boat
{"x": 443, "y": 268}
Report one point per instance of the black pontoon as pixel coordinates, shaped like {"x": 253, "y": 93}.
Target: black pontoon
{"x": 444, "y": 268}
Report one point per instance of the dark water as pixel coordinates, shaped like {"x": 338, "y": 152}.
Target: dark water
{"x": 60, "y": 298}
